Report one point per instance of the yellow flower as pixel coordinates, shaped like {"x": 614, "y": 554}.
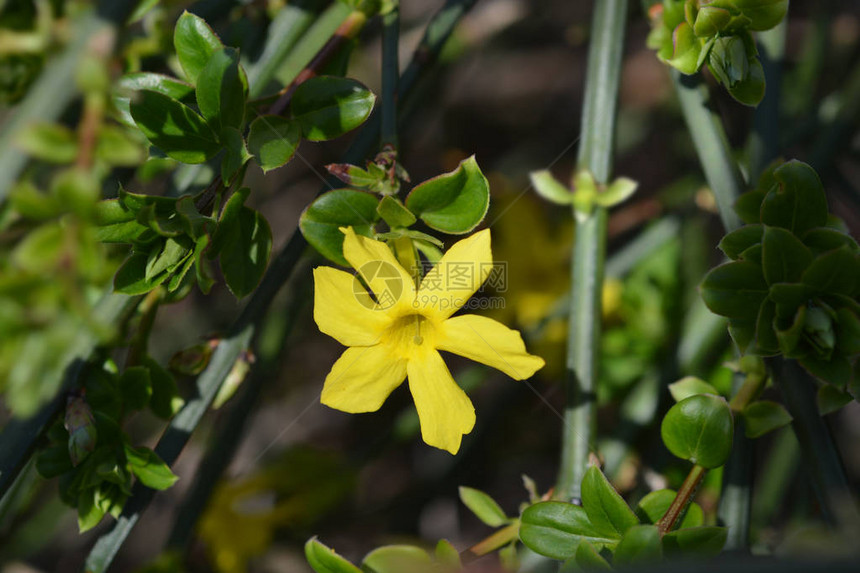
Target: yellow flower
{"x": 400, "y": 333}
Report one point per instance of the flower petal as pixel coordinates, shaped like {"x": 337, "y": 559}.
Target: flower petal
{"x": 458, "y": 275}
{"x": 489, "y": 342}
{"x": 362, "y": 378}
{"x": 343, "y": 310}
{"x": 374, "y": 261}
{"x": 445, "y": 412}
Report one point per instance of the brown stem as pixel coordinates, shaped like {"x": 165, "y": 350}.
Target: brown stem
{"x": 88, "y": 131}
{"x": 682, "y": 500}
{"x": 348, "y": 30}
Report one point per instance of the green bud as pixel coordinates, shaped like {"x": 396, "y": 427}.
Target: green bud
{"x": 818, "y": 329}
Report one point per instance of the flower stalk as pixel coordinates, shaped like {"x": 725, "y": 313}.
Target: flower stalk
{"x": 595, "y": 155}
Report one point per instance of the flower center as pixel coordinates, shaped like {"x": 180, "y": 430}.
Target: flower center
{"x": 409, "y": 334}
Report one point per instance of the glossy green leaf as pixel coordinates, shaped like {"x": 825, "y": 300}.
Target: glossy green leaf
{"x": 396, "y": 559}
{"x": 766, "y": 341}
{"x": 798, "y": 202}
{"x": 586, "y": 559}
{"x": 735, "y": 289}
{"x": 689, "y": 386}
{"x": 324, "y": 560}
{"x": 831, "y": 399}
{"x": 394, "y": 213}
{"x": 235, "y": 156}
{"x": 320, "y": 223}
{"x": 763, "y": 14}
{"x": 763, "y": 416}
{"x": 641, "y": 544}
{"x": 222, "y": 89}
{"x": 752, "y": 254}
{"x": 823, "y": 239}
{"x": 149, "y": 468}
{"x": 327, "y": 107}
{"x": 654, "y": 506}
{"x": 131, "y": 277}
{"x": 244, "y": 254}
{"x": 836, "y": 272}
{"x": 550, "y": 188}
{"x": 784, "y": 256}
{"x": 135, "y": 387}
{"x": 605, "y": 508}
{"x": 710, "y": 20}
{"x": 455, "y": 202}
{"x": 195, "y": 42}
{"x": 167, "y": 256}
{"x": 686, "y": 49}
{"x": 130, "y": 83}
{"x": 165, "y": 401}
{"x": 739, "y": 240}
{"x": 701, "y": 541}
{"x": 174, "y": 127}
{"x": 699, "y": 429}
{"x": 89, "y": 513}
{"x": 554, "y": 529}
{"x": 483, "y": 506}
{"x": 273, "y": 140}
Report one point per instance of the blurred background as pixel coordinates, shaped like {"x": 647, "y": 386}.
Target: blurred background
{"x": 508, "y": 89}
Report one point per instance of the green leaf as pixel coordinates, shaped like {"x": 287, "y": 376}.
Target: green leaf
{"x": 831, "y": 399}
{"x": 588, "y": 559}
{"x": 554, "y": 529}
{"x": 847, "y": 332}
{"x": 321, "y": 221}
{"x": 136, "y": 387}
{"x": 766, "y": 341}
{"x": 174, "y": 127}
{"x": 823, "y": 239}
{"x": 686, "y": 49}
{"x": 167, "y": 256}
{"x": 54, "y": 461}
{"x": 616, "y": 193}
{"x": 739, "y": 240}
{"x": 394, "y": 213}
{"x": 455, "y": 202}
{"x": 784, "y": 256}
{"x": 605, "y": 508}
{"x": 202, "y": 266}
{"x": 702, "y": 541}
{"x": 835, "y": 272}
{"x": 654, "y": 506}
{"x": 762, "y": 14}
{"x": 483, "y": 506}
{"x": 735, "y": 289}
{"x": 325, "y": 560}
{"x": 49, "y": 142}
{"x": 447, "y": 555}
{"x": 549, "y": 188}
{"x": 222, "y": 89}
{"x": 788, "y": 297}
{"x": 42, "y": 249}
{"x": 195, "y": 42}
{"x": 750, "y": 90}
{"x": 396, "y": 559}
{"x": 273, "y": 140}
{"x": 710, "y": 20}
{"x": 797, "y": 203}
{"x": 89, "y": 513}
{"x": 789, "y": 336}
{"x": 244, "y": 254}
{"x": 149, "y": 468}
{"x": 115, "y": 147}
{"x": 837, "y": 371}
{"x": 748, "y": 206}
{"x": 763, "y": 416}
{"x": 641, "y": 544}
{"x": 236, "y": 154}
{"x": 130, "y": 83}
{"x": 165, "y": 401}
{"x": 327, "y": 107}
{"x": 131, "y": 277}
{"x": 689, "y": 386}
{"x": 699, "y": 429}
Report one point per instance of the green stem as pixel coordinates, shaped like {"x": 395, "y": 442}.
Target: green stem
{"x": 682, "y": 500}
{"x": 712, "y": 145}
{"x": 595, "y": 154}
{"x": 56, "y": 88}
{"x": 489, "y": 544}
{"x": 207, "y": 385}
{"x": 390, "y": 74}
{"x": 285, "y": 30}
{"x": 820, "y": 456}
{"x": 736, "y": 494}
